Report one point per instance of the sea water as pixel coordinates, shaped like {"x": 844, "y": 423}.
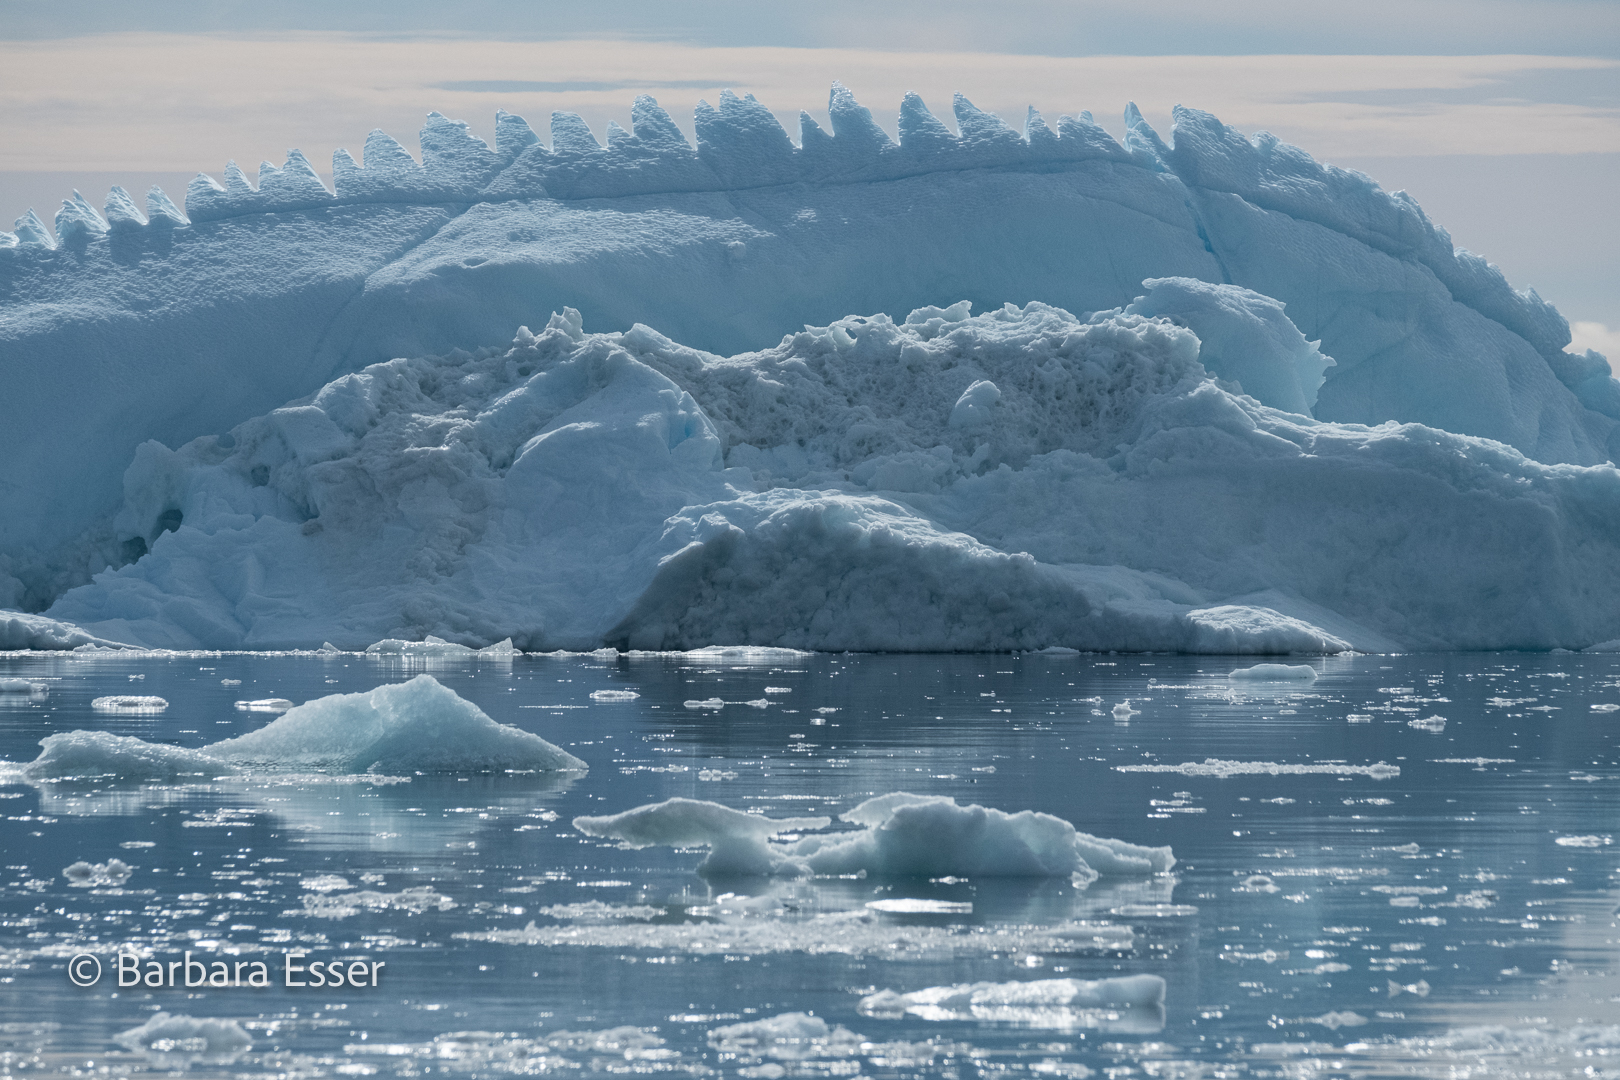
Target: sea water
{"x": 1403, "y": 867}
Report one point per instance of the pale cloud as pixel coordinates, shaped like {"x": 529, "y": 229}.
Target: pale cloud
{"x": 138, "y": 101}
{"x": 1596, "y": 336}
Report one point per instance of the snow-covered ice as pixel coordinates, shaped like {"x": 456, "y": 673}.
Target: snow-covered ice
{"x": 927, "y": 480}
{"x": 130, "y": 704}
{"x": 897, "y": 835}
{"x": 1274, "y": 673}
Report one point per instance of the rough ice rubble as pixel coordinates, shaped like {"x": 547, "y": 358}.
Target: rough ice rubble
{"x": 580, "y": 490}
{"x": 898, "y": 835}
{"x": 400, "y": 728}
{"x": 261, "y": 293}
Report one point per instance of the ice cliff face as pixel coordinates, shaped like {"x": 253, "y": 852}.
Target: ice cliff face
{"x": 129, "y": 326}
{"x": 1019, "y": 479}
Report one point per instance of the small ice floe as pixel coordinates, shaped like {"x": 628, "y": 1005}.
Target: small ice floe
{"x": 900, "y": 835}
{"x": 1417, "y": 989}
{"x": 614, "y": 695}
{"x": 1429, "y": 723}
{"x": 187, "y": 1037}
{"x": 1274, "y": 673}
{"x": 272, "y": 704}
{"x": 1223, "y": 769}
{"x": 86, "y": 875}
{"x": 716, "y": 774}
{"x": 325, "y": 883}
{"x": 436, "y": 648}
{"x": 129, "y": 705}
{"x": 1123, "y": 710}
{"x": 706, "y": 703}
{"x": 909, "y": 905}
{"x": 759, "y": 703}
{"x": 1333, "y": 1021}
{"x": 341, "y": 905}
{"x": 1606, "y": 708}
{"x": 1062, "y": 1004}
{"x": 22, "y": 686}
{"x": 1584, "y": 841}
{"x": 779, "y": 689}
{"x": 230, "y": 682}
{"x": 596, "y": 911}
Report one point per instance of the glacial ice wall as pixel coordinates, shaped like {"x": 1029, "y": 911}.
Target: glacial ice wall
{"x": 168, "y": 325}
{"x": 1019, "y": 479}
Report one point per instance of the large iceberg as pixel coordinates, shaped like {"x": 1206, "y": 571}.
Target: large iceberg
{"x": 170, "y": 325}
{"x": 858, "y": 487}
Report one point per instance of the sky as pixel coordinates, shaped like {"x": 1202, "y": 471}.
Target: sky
{"x": 1501, "y": 118}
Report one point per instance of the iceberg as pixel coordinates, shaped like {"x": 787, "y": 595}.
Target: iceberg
{"x": 579, "y": 490}
{"x": 897, "y": 835}
{"x": 420, "y": 726}
{"x": 401, "y": 728}
{"x": 211, "y": 319}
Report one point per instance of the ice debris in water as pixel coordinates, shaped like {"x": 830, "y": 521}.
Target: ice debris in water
{"x": 85, "y": 875}
{"x": 614, "y": 695}
{"x": 899, "y": 834}
{"x": 1274, "y": 673}
{"x": 1221, "y": 768}
{"x": 22, "y": 686}
{"x": 1123, "y": 710}
{"x": 787, "y": 1037}
{"x": 1428, "y": 723}
{"x": 275, "y": 705}
{"x": 187, "y": 1035}
{"x": 341, "y": 905}
{"x": 910, "y": 905}
{"x": 1041, "y": 1003}
{"x": 129, "y": 705}
{"x": 400, "y": 728}
{"x": 415, "y": 726}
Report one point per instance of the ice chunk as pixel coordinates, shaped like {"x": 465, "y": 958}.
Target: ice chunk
{"x": 84, "y": 755}
{"x": 1043, "y": 1003}
{"x": 1243, "y": 337}
{"x": 1223, "y": 769}
{"x": 900, "y": 834}
{"x": 181, "y": 1035}
{"x": 85, "y": 875}
{"x": 275, "y": 705}
{"x": 737, "y": 842}
{"x": 614, "y": 695}
{"x": 910, "y": 905}
{"x": 786, "y": 1037}
{"x": 20, "y": 630}
{"x": 342, "y": 905}
{"x": 1274, "y": 673}
{"x": 416, "y": 726}
{"x": 22, "y": 686}
{"x": 130, "y": 704}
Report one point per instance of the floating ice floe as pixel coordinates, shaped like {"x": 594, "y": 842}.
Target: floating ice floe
{"x": 342, "y": 905}
{"x": 1221, "y": 768}
{"x": 415, "y": 726}
{"x": 437, "y": 648}
{"x": 22, "y": 686}
{"x": 1126, "y": 1003}
{"x": 399, "y": 729}
{"x": 1429, "y": 723}
{"x": 170, "y": 1036}
{"x": 910, "y": 905}
{"x": 1274, "y": 673}
{"x": 898, "y": 835}
{"x": 614, "y": 695}
{"x": 86, "y": 875}
{"x": 130, "y": 705}
{"x": 275, "y": 705}
{"x": 786, "y": 1037}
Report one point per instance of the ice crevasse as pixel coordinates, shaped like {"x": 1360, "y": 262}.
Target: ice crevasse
{"x": 1018, "y": 479}
{"x": 254, "y": 295}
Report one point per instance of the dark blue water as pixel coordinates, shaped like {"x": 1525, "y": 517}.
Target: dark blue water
{"x": 1457, "y": 916}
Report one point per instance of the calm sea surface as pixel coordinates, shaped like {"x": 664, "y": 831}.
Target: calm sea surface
{"x": 1452, "y": 915}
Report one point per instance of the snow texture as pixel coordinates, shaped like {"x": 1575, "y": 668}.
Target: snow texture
{"x": 898, "y": 835}
{"x": 141, "y": 329}
{"x": 576, "y": 491}
{"x": 415, "y": 726}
